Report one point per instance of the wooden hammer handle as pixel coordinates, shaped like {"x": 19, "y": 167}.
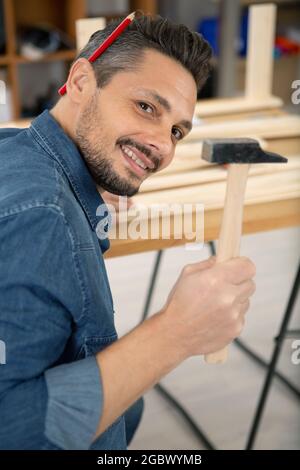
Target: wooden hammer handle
{"x": 231, "y": 229}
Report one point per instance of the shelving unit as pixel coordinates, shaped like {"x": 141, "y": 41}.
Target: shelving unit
{"x": 61, "y": 14}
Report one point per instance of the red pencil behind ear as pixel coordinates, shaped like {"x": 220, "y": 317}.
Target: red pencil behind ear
{"x": 106, "y": 43}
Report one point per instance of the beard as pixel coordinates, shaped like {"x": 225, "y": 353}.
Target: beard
{"x": 96, "y": 157}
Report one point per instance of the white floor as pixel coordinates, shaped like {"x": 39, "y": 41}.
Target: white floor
{"x": 221, "y": 399}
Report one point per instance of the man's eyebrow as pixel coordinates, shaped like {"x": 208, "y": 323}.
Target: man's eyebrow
{"x": 165, "y": 104}
{"x": 160, "y": 99}
{"x": 187, "y": 124}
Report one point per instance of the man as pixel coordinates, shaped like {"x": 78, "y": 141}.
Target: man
{"x": 68, "y": 383}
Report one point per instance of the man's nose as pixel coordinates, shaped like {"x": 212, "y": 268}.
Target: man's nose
{"x": 160, "y": 142}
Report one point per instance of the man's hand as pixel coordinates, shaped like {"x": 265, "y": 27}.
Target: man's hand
{"x": 204, "y": 312}
{"x": 206, "y": 308}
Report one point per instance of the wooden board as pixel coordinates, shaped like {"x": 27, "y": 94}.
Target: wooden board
{"x": 85, "y": 28}
{"x": 210, "y": 173}
{"x": 257, "y": 218}
{"x": 227, "y": 106}
{"x": 272, "y": 201}
{"x": 283, "y": 126}
{"x": 261, "y": 36}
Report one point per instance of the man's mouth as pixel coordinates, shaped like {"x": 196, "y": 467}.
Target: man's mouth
{"x": 138, "y": 161}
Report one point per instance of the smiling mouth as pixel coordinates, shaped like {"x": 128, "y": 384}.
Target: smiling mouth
{"x": 136, "y": 163}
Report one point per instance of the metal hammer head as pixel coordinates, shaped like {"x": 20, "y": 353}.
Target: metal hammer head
{"x": 237, "y": 151}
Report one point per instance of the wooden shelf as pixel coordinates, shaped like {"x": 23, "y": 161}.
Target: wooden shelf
{"x": 18, "y": 59}
{"x": 4, "y": 59}
{"x": 60, "y": 55}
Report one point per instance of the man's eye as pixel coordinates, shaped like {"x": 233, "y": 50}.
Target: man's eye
{"x": 146, "y": 107}
{"x": 178, "y": 134}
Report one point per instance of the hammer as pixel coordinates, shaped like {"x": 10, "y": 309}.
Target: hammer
{"x": 239, "y": 154}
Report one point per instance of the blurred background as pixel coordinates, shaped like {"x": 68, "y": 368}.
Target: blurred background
{"x": 37, "y": 44}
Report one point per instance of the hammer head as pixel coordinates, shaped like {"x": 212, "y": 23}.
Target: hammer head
{"x": 237, "y": 151}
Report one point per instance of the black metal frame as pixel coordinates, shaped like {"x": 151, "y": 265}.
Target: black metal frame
{"x": 271, "y": 371}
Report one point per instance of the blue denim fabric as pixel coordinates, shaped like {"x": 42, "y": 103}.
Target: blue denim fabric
{"x": 56, "y": 308}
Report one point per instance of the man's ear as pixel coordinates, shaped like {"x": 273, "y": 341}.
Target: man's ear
{"x": 81, "y": 80}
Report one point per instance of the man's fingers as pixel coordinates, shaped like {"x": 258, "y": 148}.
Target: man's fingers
{"x": 245, "y": 290}
{"x": 244, "y": 307}
{"x": 238, "y": 270}
{"x": 195, "y": 267}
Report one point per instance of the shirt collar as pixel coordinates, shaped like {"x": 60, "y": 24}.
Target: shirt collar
{"x": 61, "y": 147}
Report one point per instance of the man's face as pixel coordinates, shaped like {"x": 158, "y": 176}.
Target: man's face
{"x": 129, "y": 129}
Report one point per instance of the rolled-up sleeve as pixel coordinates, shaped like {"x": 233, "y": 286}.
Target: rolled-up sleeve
{"x": 73, "y": 400}
{"x": 41, "y": 296}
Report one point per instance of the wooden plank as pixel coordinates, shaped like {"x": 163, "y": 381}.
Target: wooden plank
{"x": 278, "y": 127}
{"x": 211, "y": 173}
{"x": 188, "y": 156}
{"x": 257, "y": 218}
{"x": 85, "y": 28}
{"x": 259, "y": 67}
{"x": 284, "y": 146}
{"x": 272, "y": 201}
{"x": 180, "y": 165}
{"x": 227, "y": 106}
{"x": 266, "y": 187}
{"x": 283, "y": 126}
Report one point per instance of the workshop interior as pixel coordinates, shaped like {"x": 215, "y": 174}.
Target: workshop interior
{"x": 236, "y": 173}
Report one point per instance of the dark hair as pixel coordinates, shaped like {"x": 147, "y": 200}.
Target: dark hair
{"x": 149, "y": 32}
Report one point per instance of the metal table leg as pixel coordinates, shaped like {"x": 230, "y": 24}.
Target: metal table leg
{"x": 152, "y": 284}
{"x": 273, "y": 362}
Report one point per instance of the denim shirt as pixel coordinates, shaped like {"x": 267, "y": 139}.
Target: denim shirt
{"x": 56, "y": 308}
